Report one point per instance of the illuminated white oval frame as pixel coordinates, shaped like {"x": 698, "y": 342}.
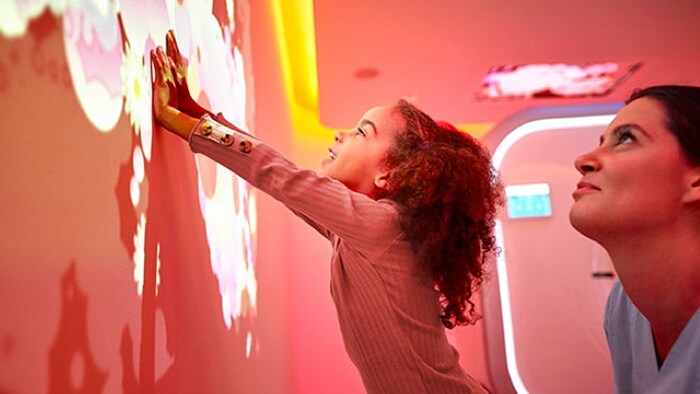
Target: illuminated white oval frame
{"x": 590, "y": 116}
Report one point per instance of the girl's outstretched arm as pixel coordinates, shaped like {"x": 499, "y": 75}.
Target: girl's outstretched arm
{"x": 359, "y": 220}
{"x": 165, "y": 110}
{"x": 325, "y": 202}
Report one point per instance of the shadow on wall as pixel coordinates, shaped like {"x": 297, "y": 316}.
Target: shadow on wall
{"x": 189, "y": 349}
{"x": 71, "y": 347}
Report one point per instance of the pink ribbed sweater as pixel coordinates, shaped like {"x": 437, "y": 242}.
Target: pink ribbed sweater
{"x": 387, "y": 307}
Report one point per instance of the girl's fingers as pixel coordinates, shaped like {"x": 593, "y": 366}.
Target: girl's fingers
{"x": 171, "y": 47}
{"x": 174, "y": 49}
{"x": 161, "y": 66}
{"x": 164, "y": 65}
{"x": 175, "y": 56}
{"x": 157, "y": 75}
{"x": 174, "y": 71}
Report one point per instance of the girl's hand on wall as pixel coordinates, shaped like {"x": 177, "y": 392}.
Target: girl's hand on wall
{"x": 179, "y": 70}
{"x": 163, "y": 86}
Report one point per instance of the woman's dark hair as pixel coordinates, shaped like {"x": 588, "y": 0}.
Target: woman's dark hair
{"x": 449, "y": 194}
{"x": 682, "y": 106}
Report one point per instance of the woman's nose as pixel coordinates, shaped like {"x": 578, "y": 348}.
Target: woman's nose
{"x": 586, "y": 163}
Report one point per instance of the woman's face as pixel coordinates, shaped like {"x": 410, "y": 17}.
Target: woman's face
{"x": 635, "y": 180}
{"x": 357, "y": 155}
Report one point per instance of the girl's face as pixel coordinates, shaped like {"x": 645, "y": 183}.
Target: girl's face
{"x": 636, "y": 180}
{"x": 357, "y": 155}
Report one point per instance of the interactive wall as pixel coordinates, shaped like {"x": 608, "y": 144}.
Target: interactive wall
{"x": 127, "y": 263}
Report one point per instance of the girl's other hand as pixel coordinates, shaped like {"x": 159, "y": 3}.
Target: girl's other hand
{"x": 179, "y": 71}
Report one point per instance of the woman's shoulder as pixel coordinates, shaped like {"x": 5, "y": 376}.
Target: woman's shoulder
{"x": 617, "y": 298}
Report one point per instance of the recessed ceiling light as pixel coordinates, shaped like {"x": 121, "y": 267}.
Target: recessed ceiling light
{"x": 366, "y": 73}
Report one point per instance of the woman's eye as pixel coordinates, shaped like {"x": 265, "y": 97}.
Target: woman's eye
{"x": 361, "y": 132}
{"x": 625, "y": 137}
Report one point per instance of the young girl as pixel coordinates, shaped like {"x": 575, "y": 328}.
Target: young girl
{"x": 408, "y": 205}
{"x": 639, "y": 197}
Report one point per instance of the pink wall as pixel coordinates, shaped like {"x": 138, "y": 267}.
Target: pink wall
{"x": 69, "y": 311}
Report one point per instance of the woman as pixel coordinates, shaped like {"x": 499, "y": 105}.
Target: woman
{"x": 639, "y": 197}
{"x": 408, "y": 205}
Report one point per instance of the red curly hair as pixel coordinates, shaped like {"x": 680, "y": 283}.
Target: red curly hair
{"x": 449, "y": 194}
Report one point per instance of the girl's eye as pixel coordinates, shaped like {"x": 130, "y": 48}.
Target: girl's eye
{"x": 361, "y": 132}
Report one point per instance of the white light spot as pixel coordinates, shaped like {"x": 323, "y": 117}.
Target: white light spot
{"x": 137, "y": 163}
{"x": 134, "y": 191}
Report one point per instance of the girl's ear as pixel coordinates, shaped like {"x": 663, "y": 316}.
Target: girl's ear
{"x": 692, "y": 190}
{"x": 381, "y": 181}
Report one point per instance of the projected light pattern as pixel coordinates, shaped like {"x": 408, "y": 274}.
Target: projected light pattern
{"x": 216, "y": 65}
{"x": 137, "y": 97}
{"x": 110, "y": 69}
{"x": 237, "y": 283}
{"x": 139, "y": 257}
{"x": 93, "y": 48}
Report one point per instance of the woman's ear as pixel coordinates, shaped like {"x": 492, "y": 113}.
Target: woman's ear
{"x": 692, "y": 190}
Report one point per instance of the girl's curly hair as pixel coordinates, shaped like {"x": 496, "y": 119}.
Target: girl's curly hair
{"x": 449, "y": 194}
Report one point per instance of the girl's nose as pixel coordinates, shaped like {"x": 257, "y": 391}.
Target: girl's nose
{"x": 339, "y": 136}
{"x": 586, "y": 163}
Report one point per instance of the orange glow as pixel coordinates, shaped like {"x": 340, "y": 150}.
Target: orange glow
{"x": 294, "y": 26}
{"x": 295, "y": 31}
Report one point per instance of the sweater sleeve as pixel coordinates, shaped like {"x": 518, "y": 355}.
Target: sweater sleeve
{"x": 326, "y": 204}
{"x": 317, "y": 226}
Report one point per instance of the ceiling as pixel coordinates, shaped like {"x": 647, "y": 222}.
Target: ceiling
{"x": 372, "y": 52}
